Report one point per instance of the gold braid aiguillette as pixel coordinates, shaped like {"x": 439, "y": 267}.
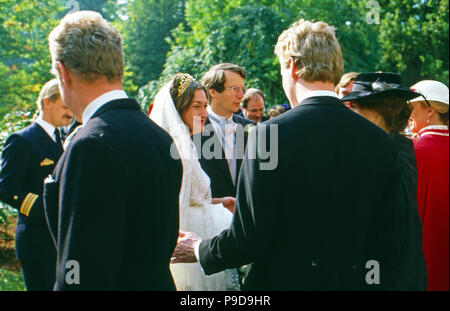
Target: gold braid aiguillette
{"x": 186, "y": 79}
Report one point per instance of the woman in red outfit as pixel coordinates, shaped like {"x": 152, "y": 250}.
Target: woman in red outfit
{"x": 429, "y": 120}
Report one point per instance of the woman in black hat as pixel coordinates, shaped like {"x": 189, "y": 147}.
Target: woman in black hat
{"x": 380, "y": 98}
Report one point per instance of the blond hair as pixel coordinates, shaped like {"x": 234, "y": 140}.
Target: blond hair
{"x": 345, "y": 80}
{"x": 441, "y": 109}
{"x": 315, "y": 50}
{"x": 88, "y": 46}
{"x": 50, "y": 91}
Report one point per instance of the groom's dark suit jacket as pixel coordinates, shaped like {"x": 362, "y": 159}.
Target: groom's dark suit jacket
{"x": 113, "y": 205}
{"x": 331, "y": 206}
{"x": 217, "y": 167}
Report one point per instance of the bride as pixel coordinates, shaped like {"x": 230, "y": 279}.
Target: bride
{"x": 180, "y": 109}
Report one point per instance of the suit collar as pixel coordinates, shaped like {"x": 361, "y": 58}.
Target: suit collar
{"x": 41, "y": 133}
{"x": 47, "y": 127}
{"x": 241, "y": 120}
{"x": 125, "y": 103}
{"x": 320, "y": 93}
{"x": 100, "y": 101}
{"x": 44, "y": 140}
{"x": 322, "y": 100}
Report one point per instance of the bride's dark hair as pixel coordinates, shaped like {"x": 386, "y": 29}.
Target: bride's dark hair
{"x": 183, "y": 101}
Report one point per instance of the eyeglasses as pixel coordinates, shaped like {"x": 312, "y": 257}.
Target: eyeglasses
{"x": 235, "y": 89}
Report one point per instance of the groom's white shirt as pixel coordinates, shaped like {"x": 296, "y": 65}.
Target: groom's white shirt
{"x": 317, "y": 94}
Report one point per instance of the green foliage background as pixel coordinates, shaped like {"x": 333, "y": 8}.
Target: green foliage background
{"x": 162, "y": 38}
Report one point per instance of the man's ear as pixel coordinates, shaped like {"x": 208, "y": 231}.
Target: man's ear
{"x": 64, "y": 74}
{"x": 212, "y": 93}
{"x": 293, "y": 69}
{"x": 45, "y": 104}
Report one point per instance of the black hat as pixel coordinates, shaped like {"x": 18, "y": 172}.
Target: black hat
{"x": 378, "y": 85}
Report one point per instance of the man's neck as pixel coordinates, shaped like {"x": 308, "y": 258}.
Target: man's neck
{"x": 216, "y": 109}
{"x": 302, "y": 88}
{"x": 87, "y": 92}
{"x": 46, "y": 118}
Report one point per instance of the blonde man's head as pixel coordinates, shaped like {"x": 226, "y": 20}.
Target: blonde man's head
{"x": 314, "y": 49}
{"x": 50, "y": 91}
{"x": 88, "y": 46}
{"x": 346, "y": 79}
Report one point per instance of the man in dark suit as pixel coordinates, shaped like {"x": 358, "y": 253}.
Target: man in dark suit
{"x": 28, "y": 157}
{"x": 335, "y": 222}
{"x": 223, "y": 140}
{"x": 106, "y": 196}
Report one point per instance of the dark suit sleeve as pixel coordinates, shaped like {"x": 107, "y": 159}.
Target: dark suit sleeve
{"x": 16, "y": 161}
{"x": 93, "y": 214}
{"x": 250, "y": 229}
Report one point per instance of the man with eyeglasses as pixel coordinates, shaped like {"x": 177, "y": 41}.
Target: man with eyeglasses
{"x": 226, "y": 88}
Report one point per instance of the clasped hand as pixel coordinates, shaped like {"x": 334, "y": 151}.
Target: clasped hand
{"x": 184, "y": 251}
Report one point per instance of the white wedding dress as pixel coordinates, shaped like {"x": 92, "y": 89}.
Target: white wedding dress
{"x": 197, "y": 214}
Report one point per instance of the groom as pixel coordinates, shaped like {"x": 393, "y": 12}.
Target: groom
{"x": 224, "y": 131}
{"x": 332, "y": 222}
{"x": 107, "y": 197}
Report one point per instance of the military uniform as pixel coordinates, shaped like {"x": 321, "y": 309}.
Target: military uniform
{"x": 28, "y": 157}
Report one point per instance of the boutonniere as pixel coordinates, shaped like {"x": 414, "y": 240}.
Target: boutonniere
{"x": 47, "y": 162}
{"x": 247, "y": 129}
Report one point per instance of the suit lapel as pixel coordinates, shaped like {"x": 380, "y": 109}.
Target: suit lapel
{"x": 222, "y": 162}
{"x": 244, "y": 124}
{"x": 47, "y": 143}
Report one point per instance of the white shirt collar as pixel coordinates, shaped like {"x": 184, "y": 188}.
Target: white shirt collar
{"x": 97, "y": 103}
{"x": 430, "y": 128}
{"x": 48, "y": 128}
{"x": 215, "y": 116}
{"x": 434, "y": 127}
{"x": 319, "y": 93}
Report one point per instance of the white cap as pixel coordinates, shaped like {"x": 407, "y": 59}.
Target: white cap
{"x": 432, "y": 90}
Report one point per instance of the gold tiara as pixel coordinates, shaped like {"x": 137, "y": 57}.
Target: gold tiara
{"x": 186, "y": 79}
